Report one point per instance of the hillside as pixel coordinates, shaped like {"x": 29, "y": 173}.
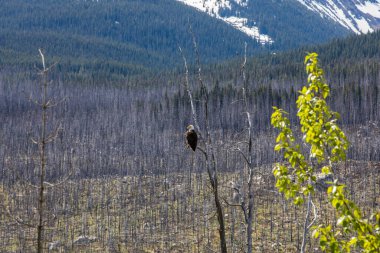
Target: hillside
{"x": 111, "y": 171}
{"x": 359, "y": 16}
{"x": 129, "y": 36}
{"x": 280, "y": 24}
{"x": 119, "y": 177}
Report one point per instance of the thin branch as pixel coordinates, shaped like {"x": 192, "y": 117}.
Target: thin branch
{"x": 242, "y": 69}
{"x": 50, "y": 104}
{"x": 17, "y": 219}
{"x": 187, "y": 87}
{"x": 198, "y": 61}
{"x": 306, "y": 225}
{"x": 53, "y": 135}
{"x": 230, "y": 204}
{"x": 42, "y": 59}
{"x": 242, "y": 154}
{"x": 204, "y": 152}
{"x": 315, "y": 215}
{"x": 241, "y": 205}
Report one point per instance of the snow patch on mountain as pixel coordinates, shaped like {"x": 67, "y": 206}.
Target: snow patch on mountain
{"x": 370, "y": 8}
{"x": 215, "y": 9}
{"x": 356, "y": 15}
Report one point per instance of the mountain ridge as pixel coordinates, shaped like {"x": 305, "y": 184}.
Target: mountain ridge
{"x": 358, "y": 16}
{"x": 144, "y": 35}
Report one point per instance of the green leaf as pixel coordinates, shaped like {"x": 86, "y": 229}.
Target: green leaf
{"x": 298, "y": 201}
{"x": 278, "y": 147}
{"x": 340, "y": 221}
{"x": 315, "y": 233}
{"x": 325, "y": 170}
{"x": 353, "y": 241}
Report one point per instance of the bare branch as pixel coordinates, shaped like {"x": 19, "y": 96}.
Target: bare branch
{"x": 53, "y": 135}
{"x": 315, "y": 215}
{"x": 17, "y": 219}
{"x": 230, "y": 204}
{"x": 187, "y": 87}
{"x": 42, "y": 59}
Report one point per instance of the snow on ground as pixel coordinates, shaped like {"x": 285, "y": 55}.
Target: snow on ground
{"x": 370, "y": 8}
{"x": 214, "y": 7}
{"x": 364, "y": 26}
{"x": 242, "y": 2}
{"x": 331, "y": 10}
{"x": 211, "y": 7}
{"x": 337, "y": 11}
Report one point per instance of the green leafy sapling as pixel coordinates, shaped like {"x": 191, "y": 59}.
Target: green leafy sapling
{"x": 325, "y": 144}
{"x": 324, "y": 139}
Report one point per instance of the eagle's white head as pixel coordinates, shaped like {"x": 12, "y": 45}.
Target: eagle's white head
{"x": 190, "y": 127}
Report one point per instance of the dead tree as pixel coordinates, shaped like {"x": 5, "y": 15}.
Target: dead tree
{"x": 45, "y": 137}
{"x": 248, "y": 211}
{"x": 246, "y": 153}
{"x": 209, "y": 152}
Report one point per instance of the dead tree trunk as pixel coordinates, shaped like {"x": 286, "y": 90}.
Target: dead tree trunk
{"x": 42, "y": 152}
{"x": 209, "y": 154}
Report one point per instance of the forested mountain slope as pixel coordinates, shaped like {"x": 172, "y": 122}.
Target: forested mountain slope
{"x": 132, "y": 36}
{"x": 126, "y": 34}
{"x": 347, "y": 53}
{"x": 283, "y": 24}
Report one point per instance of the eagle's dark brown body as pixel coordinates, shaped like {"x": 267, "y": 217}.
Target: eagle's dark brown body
{"x": 191, "y": 137}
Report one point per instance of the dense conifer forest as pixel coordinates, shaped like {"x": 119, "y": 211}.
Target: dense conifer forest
{"x": 91, "y": 34}
{"x": 118, "y": 175}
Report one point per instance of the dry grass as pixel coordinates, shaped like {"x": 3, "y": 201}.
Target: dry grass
{"x": 168, "y": 214}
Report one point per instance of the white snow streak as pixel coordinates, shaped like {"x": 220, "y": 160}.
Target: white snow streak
{"x": 243, "y": 3}
{"x": 370, "y": 8}
{"x": 214, "y": 8}
{"x": 363, "y": 25}
{"x": 337, "y": 11}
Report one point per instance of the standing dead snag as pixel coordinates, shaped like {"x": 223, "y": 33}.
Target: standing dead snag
{"x": 246, "y": 153}
{"x": 44, "y": 138}
{"x": 38, "y": 215}
{"x": 209, "y": 155}
{"x": 248, "y": 213}
{"x": 42, "y": 151}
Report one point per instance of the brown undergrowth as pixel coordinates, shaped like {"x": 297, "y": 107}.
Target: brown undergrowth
{"x": 172, "y": 213}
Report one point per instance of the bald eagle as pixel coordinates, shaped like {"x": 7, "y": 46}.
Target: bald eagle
{"x": 191, "y": 137}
